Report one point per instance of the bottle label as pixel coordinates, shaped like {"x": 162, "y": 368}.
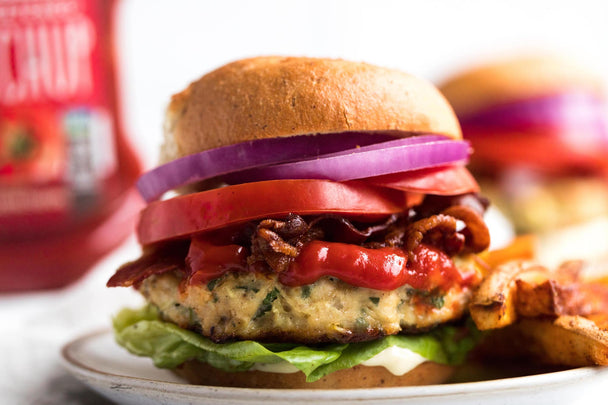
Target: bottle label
{"x": 57, "y": 113}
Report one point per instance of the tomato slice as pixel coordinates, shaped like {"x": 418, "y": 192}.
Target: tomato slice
{"x": 190, "y": 214}
{"x": 443, "y": 180}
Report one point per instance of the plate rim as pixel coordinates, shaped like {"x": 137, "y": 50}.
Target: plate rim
{"x": 85, "y": 372}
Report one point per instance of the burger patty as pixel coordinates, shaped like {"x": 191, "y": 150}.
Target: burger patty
{"x": 246, "y": 300}
{"x": 251, "y": 305}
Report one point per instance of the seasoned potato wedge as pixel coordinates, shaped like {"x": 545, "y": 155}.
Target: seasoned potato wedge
{"x": 556, "y": 317}
{"x": 524, "y": 289}
{"x": 572, "y": 341}
{"x": 493, "y": 304}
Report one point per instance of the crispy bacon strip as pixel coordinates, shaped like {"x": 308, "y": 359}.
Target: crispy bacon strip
{"x": 270, "y": 247}
{"x": 441, "y": 230}
{"x": 152, "y": 261}
{"x": 476, "y": 232}
{"x": 275, "y": 243}
{"x": 439, "y": 225}
{"x": 278, "y": 242}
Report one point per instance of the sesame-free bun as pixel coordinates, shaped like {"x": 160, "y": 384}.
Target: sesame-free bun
{"x": 359, "y": 376}
{"x": 268, "y": 97}
{"x": 516, "y": 79}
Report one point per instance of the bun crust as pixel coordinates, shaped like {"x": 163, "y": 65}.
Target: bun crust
{"x": 516, "y": 79}
{"x": 268, "y": 97}
{"x": 357, "y": 377}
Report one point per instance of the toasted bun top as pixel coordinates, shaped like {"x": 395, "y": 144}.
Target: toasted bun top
{"x": 269, "y": 97}
{"x": 516, "y": 79}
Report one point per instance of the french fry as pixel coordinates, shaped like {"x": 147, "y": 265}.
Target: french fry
{"x": 557, "y": 318}
{"x": 524, "y": 289}
{"x": 553, "y": 299}
{"x": 553, "y": 293}
{"x": 493, "y": 304}
{"x": 601, "y": 320}
{"x": 567, "y": 341}
{"x": 547, "y": 298}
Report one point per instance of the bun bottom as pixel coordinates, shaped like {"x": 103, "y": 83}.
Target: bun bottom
{"x": 357, "y": 377}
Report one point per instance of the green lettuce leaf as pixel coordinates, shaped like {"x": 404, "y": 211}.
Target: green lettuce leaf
{"x": 142, "y": 333}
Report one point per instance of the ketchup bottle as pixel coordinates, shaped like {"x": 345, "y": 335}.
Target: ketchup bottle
{"x": 66, "y": 168}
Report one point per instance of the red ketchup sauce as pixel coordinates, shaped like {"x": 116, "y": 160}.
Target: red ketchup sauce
{"x": 209, "y": 261}
{"x": 380, "y": 269}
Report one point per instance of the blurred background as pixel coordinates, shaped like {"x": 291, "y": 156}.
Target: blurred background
{"x": 164, "y": 45}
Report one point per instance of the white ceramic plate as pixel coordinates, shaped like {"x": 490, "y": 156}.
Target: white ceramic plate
{"x": 99, "y": 362}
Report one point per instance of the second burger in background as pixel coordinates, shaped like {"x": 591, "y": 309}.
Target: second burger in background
{"x": 325, "y": 236}
{"x": 538, "y": 127}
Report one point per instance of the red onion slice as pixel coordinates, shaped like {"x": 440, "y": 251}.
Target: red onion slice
{"x": 227, "y": 159}
{"x": 258, "y": 153}
{"x": 575, "y": 117}
{"x": 387, "y": 157}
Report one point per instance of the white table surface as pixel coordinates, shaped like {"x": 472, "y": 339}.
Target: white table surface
{"x": 34, "y": 327}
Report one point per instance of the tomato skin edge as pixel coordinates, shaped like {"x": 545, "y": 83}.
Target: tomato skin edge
{"x": 443, "y": 180}
{"x": 364, "y": 200}
{"x": 209, "y": 210}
